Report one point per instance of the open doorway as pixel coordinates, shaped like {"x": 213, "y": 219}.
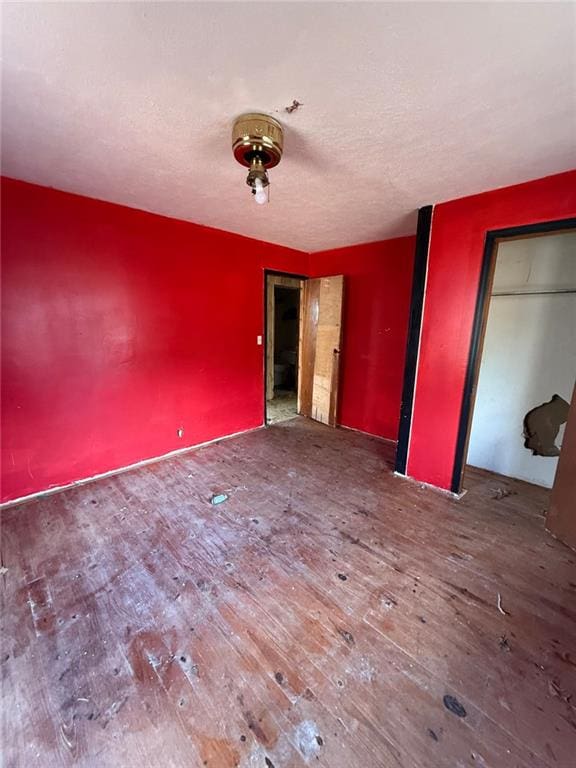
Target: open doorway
{"x": 527, "y": 358}
{"x": 283, "y": 301}
{"x": 303, "y": 335}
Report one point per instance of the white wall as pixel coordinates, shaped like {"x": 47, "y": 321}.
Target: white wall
{"x": 529, "y": 353}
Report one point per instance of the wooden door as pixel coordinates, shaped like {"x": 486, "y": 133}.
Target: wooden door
{"x": 561, "y": 517}
{"x": 320, "y": 331}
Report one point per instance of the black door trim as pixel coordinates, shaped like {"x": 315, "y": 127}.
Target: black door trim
{"x": 413, "y": 343}
{"x": 472, "y": 368}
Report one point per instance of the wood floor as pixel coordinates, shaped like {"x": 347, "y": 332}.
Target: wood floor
{"x": 327, "y": 613}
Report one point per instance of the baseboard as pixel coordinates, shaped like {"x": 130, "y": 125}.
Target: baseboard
{"x": 368, "y": 434}
{"x": 430, "y": 487}
{"x": 121, "y": 470}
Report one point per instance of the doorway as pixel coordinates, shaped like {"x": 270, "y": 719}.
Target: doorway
{"x": 303, "y": 335}
{"x": 283, "y": 301}
{"x": 527, "y": 358}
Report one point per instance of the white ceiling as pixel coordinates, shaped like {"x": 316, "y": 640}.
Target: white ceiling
{"x": 404, "y": 104}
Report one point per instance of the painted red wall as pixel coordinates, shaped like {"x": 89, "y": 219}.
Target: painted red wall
{"x": 118, "y": 328}
{"x": 377, "y": 287}
{"x": 455, "y": 257}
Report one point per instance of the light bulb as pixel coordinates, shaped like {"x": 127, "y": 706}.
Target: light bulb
{"x": 260, "y": 193}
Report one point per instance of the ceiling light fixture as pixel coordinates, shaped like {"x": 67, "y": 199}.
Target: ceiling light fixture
{"x": 257, "y": 143}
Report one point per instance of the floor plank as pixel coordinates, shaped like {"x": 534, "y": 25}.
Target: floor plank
{"x": 328, "y": 613}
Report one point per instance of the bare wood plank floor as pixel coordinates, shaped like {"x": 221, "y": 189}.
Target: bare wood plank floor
{"x": 328, "y": 613}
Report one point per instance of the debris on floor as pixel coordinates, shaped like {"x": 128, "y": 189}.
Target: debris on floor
{"x": 306, "y": 738}
{"x": 348, "y": 636}
{"x": 218, "y": 498}
{"x": 453, "y": 705}
{"x": 502, "y": 493}
{"x": 502, "y": 611}
{"x": 3, "y": 570}
{"x": 556, "y": 690}
{"x": 504, "y": 644}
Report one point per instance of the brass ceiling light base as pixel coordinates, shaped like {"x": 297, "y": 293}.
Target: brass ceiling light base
{"x": 257, "y": 143}
{"x": 257, "y": 134}
{"x": 257, "y": 171}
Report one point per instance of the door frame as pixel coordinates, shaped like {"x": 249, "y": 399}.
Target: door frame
{"x": 276, "y": 273}
{"x": 493, "y": 238}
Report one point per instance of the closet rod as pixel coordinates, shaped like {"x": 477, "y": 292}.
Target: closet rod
{"x": 534, "y": 293}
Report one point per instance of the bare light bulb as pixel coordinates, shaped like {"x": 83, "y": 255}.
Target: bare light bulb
{"x": 260, "y": 193}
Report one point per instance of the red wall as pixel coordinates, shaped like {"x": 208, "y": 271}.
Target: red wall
{"x": 118, "y": 328}
{"x": 377, "y": 287}
{"x": 455, "y": 257}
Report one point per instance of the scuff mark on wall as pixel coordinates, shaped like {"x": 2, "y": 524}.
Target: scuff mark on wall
{"x": 542, "y": 424}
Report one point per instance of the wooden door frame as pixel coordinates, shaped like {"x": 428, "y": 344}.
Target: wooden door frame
{"x": 277, "y": 273}
{"x": 493, "y": 238}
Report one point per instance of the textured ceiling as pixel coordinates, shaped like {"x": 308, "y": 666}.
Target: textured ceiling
{"x": 403, "y": 104}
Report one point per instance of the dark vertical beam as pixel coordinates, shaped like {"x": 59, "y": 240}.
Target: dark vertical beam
{"x": 473, "y": 362}
{"x": 413, "y": 344}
